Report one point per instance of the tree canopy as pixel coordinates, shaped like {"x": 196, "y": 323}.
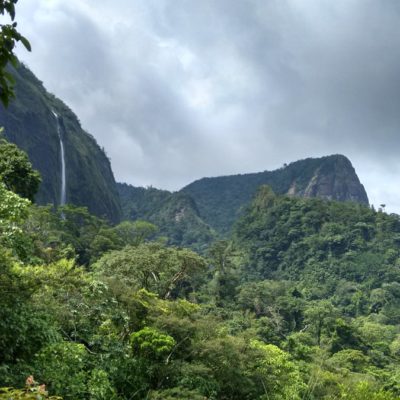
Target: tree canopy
{"x": 16, "y": 171}
{"x": 9, "y": 37}
{"x": 302, "y": 302}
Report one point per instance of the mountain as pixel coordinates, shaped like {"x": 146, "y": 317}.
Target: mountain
{"x": 175, "y": 214}
{"x": 43, "y": 126}
{"x": 209, "y": 207}
{"x": 220, "y": 200}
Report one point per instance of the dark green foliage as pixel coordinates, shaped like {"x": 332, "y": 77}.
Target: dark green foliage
{"x": 139, "y": 202}
{"x": 176, "y": 393}
{"x": 16, "y": 171}
{"x": 69, "y": 231}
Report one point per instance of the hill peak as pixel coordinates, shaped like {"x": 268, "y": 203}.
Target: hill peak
{"x": 331, "y": 177}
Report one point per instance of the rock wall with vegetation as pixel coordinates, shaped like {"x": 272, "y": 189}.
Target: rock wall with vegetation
{"x": 30, "y": 123}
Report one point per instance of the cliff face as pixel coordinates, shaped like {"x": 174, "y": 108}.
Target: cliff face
{"x": 29, "y": 122}
{"x": 220, "y": 200}
{"x": 334, "y": 179}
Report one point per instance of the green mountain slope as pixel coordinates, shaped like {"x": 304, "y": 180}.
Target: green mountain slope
{"x": 30, "y": 123}
{"x": 220, "y": 200}
{"x": 175, "y": 214}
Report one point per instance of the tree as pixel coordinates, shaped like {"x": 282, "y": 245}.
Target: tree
{"x": 169, "y": 272}
{"x": 135, "y": 232}
{"x": 320, "y": 318}
{"x": 62, "y": 366}
{"x": 9, "y": 36}
{"x": 13, "y": 211}
{"x": 16, "y": 170}
{"x": 280, "y": 377}
{"x": 225, "y": 280}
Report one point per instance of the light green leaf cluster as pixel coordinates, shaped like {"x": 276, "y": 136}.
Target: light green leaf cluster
{"x": 280, "y": 377}
{"x": 151, "y": 343}
{"x": 13, "y": 210}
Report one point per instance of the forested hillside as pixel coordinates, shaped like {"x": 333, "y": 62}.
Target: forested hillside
{"x": 175, "y": 215}
{"x": 302, "y": 302}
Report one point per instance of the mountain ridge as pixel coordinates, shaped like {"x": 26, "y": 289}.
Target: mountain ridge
{"x": 330, "y": 177}
{"x": 208, "y": 208}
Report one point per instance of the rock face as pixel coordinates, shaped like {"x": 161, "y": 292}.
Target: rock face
{"x": 30, "y": 123}
{"x": 220, "y": 200}
{"x": 334, "y": 179}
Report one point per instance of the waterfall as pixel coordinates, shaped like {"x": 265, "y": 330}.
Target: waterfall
{"x": 63, "y": 195}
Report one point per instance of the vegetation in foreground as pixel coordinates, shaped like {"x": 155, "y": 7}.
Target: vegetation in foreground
{"x": 301, "y": 303}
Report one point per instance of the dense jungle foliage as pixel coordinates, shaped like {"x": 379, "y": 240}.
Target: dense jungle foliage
{"x": 303, "y": 302}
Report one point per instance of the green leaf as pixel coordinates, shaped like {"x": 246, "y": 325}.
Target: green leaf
{"x": 26, "y": 43}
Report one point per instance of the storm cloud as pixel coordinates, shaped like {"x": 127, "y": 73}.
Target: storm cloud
{"x": 177, "y": 90}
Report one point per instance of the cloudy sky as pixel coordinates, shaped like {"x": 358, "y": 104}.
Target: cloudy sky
{"x": 175, "y": 90}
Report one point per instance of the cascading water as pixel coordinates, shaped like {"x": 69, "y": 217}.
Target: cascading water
{"x": 63, "y": 195}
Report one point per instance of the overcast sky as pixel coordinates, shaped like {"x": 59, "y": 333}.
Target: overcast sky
{"x": 175, "y": 90}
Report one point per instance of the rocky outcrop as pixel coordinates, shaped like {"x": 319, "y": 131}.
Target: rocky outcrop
{"x": 334, "y": 179}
